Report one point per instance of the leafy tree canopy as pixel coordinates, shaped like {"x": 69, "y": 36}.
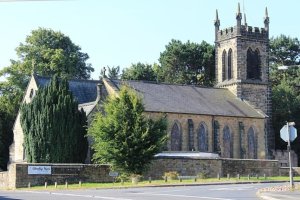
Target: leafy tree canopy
{"x": 139, "y": 71}
{"x": 123, "y": 136}
{"x": 285, "y": 51}
{"x": 187, "y": 63}
{"x": 54, "y": 129}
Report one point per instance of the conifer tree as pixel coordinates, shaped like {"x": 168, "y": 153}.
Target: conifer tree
{"x": 54, "y": 128}
{"x": 124, "y": 136}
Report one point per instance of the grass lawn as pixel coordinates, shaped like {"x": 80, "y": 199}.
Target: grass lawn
{"x": 145, "y": 183}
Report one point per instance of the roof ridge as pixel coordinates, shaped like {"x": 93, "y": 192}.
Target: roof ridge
{"x": 72, "y": 79}
{"x": 165, "y": 83}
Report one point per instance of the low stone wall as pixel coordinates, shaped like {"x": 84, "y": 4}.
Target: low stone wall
{"x": 3, "y": 180}
{"x": 184, "y": 166}
{"x": 19, "y": 175}
{"x": 250, "y": 167}
{"x": 212, "y": 167}
{"x": 284, "y": 171}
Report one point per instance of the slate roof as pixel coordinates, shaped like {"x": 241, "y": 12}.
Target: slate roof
{"x": 84, "y": 91}
{"x": 191, "y": 100}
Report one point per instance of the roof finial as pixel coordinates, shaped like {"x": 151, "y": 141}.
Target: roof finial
{"x": 239, "y": 9}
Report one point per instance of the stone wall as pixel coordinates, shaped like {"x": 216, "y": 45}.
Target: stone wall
{"x": 3, "y": 179}
{"x": 73, "y": 173}
{"x": 211, "y": 167}
{"x": 238, "y": 140}
{"x": 283, "y": 157}
{"x": 250, "y": 166}
{"x": 284, "y": 171}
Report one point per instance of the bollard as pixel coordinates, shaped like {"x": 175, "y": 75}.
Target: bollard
{"x": 166, "y": 179}
{"x": 80, "y": 183}
{"x": 257, "y": 176}
{"x": 29, "y": 185}
{"x": 195, "y": 179}
{"x": 228, "y": 176}
{"x": 55, "y": 184}
{"x": 180, "y": 179}
{"x": 238, "y": 176}
{"x": 149, "y": 179}
{"x": 46, "y": 184}
{"x": 66, "y": 185}
{"x": 265, "y": 177}
{"x": 122, "y": 181}
{"x": 248, "y": 176}
{"x": 218, "y": 176}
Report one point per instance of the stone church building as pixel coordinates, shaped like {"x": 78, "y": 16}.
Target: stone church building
{"x": 231, "y": 119}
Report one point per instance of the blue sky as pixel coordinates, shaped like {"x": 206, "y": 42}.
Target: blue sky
{"x": 121, "y": 32}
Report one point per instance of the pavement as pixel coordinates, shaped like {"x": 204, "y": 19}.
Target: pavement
{"x": 281, "y": 192}
{"x": 289, "y": 195}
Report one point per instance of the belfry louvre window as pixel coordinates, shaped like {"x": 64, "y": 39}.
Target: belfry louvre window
{"x": 229, "y": 65}
{"x": 224, "y": 65}
{"x": 253, "y": 64}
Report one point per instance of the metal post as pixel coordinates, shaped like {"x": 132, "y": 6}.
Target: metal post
{"x": 290, "y": 160}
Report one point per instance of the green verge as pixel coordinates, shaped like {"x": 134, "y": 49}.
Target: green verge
{"x": 146, "y": 183}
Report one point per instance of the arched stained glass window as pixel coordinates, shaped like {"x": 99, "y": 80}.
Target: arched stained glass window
{"x": 229, "y": 68}
{"x": 202, "y": 138}
{"x": 191, "y": 135}
{"x": 252, "y": 146}
{"x": 175, "y": 138}
{"x": 227, "y": 144}
{"x": 253, "y": 64}
{"x": 224, "y": 65}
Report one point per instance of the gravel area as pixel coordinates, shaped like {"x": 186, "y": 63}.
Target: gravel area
{"x": 280, "y": 188}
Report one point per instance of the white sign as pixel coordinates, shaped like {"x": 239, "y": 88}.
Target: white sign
{"x": 285, "y": 135}
{"x": 39, "y": 169}
{"x": 113, "y": 174}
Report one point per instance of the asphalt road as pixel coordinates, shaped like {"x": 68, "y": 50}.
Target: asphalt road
{"x": 208, "y": 192}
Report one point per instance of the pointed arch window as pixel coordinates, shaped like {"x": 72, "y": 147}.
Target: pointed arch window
{"x": 191, "y": 134}
{"x": 229, "y": 68}
{"x": 175, "y": 138}
{"x": 252, "y": 144}
{"x": 202, "y": 138}
{"x": 227, "y": 143}
{"x": 253, "y": 64}
{"x": 224, "y": 65}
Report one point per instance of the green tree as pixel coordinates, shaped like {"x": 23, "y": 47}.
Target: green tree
{"x": 123, "y": 136}
{"x": 187, "y": 63}
{"x": 6, "y": 138}
{"x": 47, "y": 53}
{"x": 285, "y": 51}
{"x": 54, "y": 129}
{"x": 139, "y": 71}
{"x": 113, "y": 72}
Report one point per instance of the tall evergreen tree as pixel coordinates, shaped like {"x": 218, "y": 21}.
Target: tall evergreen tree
{"x": 54, "y": 129}
{"x": 123, "y": 136}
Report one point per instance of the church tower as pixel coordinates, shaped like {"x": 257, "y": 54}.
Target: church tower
{"x": 242, "y": 66}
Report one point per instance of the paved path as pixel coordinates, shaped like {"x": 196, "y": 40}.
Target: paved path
{"x": 205, "y": 192}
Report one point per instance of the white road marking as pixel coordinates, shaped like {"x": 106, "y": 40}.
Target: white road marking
{"x": 184, "y": 196}
{"x": 232, "y": 188}
{"x": 77, "y": 195}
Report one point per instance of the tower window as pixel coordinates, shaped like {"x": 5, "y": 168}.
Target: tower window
{"x": 224, "y": 65}
{"x": 253, "y": 64}
{"x": 229, "y": 68}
